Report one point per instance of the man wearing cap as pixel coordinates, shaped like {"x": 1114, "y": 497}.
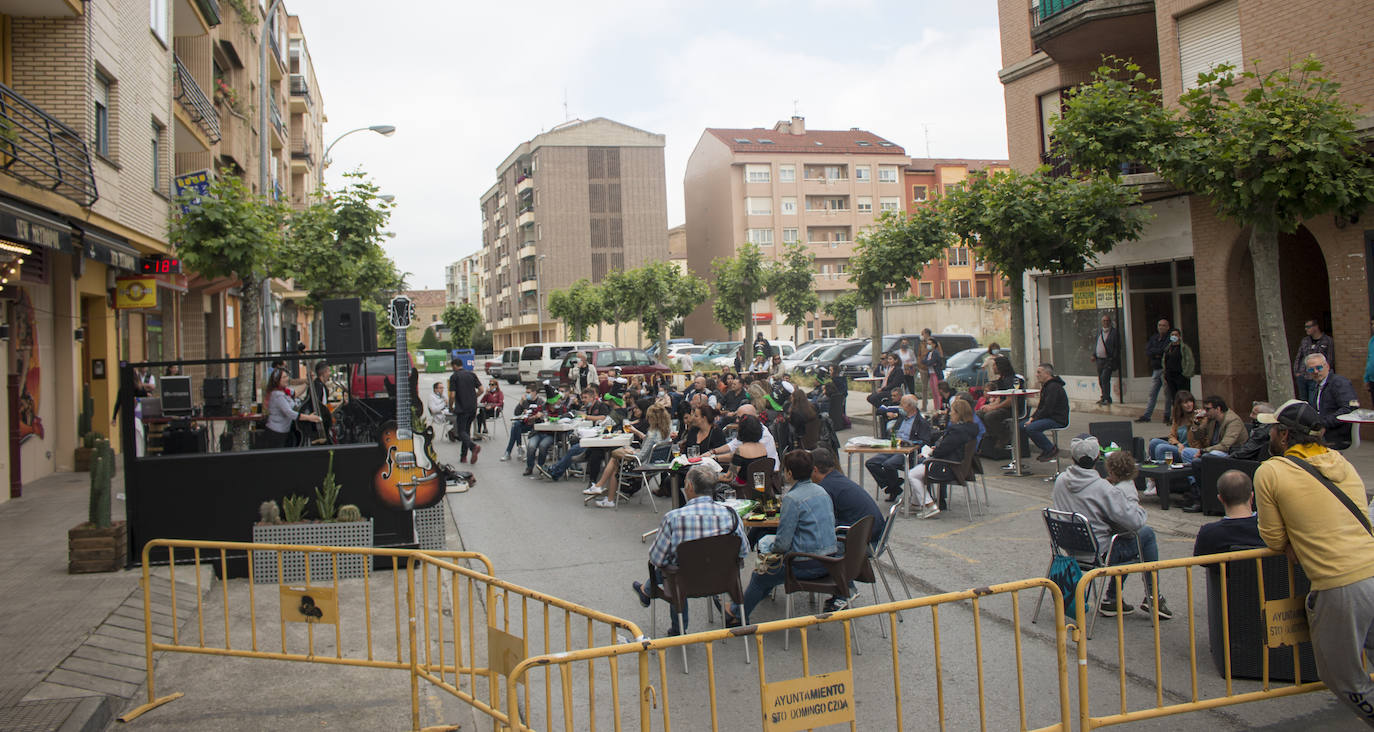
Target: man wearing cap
{"x": 1109, "y": 510}
{"x": 1331, "y": 395}
{"x": 463, "y": 389}
{"x": 1312, "y": 506}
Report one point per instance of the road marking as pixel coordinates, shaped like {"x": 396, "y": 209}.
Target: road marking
{"x": 952, "y": 553}
{"x": 981, "y": 524}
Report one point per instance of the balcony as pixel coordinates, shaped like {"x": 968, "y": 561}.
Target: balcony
{"x": 526, "y": 250}
{"x": 37, "y": 149}
{"x": 300, "y": 94}
{"x": 301, "y": 152}
{"x": 278, "y": 125}
{"x": 525, "y": 218}
{"x": 529, "y": 285}
{"x": 277, "y": 65}
{"x": 523, "y": 182}
{"x": 195, "y": 104}
{"x": 1081, "y": 31}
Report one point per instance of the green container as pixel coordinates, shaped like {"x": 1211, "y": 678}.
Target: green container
{"x": 435, "y": 360}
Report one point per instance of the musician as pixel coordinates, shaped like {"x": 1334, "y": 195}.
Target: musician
{"x": 281, "y": 412}
{"x": 317, "y": 400}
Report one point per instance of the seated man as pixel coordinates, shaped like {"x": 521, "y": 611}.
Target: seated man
{"x": 1221, "y": 430}
{"x": 437, "y": 410}
{"x": 1256, "y": 445}
{"x": 700, "y": 518}
{"x": 595, "y": 411}
{"x": 806, "y": 524}
{"x": 850, "y": 502}
{"x": 539, "y": 444}
{"x": 1051, "y": 413}
{"x": 1079, "y": 489}
{"x": 911, "y": 429}
{"x": 1240, "y": 526}
{"x": 769, "y": 444}
{"x": 1333, "y": 396}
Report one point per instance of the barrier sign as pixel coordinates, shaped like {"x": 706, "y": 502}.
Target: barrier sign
{"x": 808, "y": 702}
{"x": 309, "y": 605}
{"x": 1287, "y": 622}
{"x": 505, "y": 651}
{"x": 1085, "y": 294}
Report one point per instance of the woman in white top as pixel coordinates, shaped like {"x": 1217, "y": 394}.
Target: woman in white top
{"x": 281, "y": 412}
{"x": 660, "y": 429}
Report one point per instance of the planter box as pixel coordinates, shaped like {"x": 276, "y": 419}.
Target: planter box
{"x": 83, "y": 459}
{"x": 91, "y": 549}
{"x": 351, "y": 534}
{"x": 430, "y": 526}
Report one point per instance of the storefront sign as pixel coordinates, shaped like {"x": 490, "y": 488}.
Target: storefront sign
{"x": 1108, "y": 293}
{"x": 808, "y": 702}
{"x": 1287, "y": 621}
{"x": 1085, "y": 294}
{"x": 135, "y": 292}
{"x": 20, "y": 225}
{"x": 763, "y": 317}
{"x": 197, "y": 184}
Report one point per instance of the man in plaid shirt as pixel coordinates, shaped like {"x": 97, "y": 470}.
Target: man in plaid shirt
{"x": 701, "y": 517}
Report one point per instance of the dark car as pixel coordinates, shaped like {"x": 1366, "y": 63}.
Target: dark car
{"x": 832, "y": 356}
{"x": 375, "y": 377}
{"x": 631, "y": 361}
{"x": 965, "y": 368}
{"x": 859, "y": 364}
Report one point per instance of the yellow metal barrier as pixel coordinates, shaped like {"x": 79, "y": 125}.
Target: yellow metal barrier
{"x": 448, "y": 636}
{"x": 822, "y": 685}
{"x": 295, "y": 608}
{"x": 1202, "y": 692}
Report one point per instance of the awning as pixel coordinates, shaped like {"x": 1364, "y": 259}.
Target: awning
{"x": 31, "y": 226}
{"x": 107, "y": 248}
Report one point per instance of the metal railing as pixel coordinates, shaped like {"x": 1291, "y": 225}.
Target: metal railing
{"x": 301, "y": 149}
{"x": 1049, "y": 8}
{"x": 277, "y": 120}
{"x": 300, "y": 87}
{"x": 41, "y": 151}
{"x": 197, "y": 105}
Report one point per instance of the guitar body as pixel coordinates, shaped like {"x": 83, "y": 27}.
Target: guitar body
{"x": 408, "y": 478}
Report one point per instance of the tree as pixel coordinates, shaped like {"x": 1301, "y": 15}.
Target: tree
{"x": 1268, "y": 150}
{"x": 462, "y": 321}
{"x": 1036, "y": 222}
{"x": 232, "y": 232}
{"x": 845, "y": 311}
{"x": 619, "y": 301}
{"x": 891, "y": 253}
{"x": 740, "y": 281}
{"x": 666, "y": 293}
{"x": 333, "y": 247}
{"x": 579, "y": 307}
{"x": 429, "y": 339}
{"x": 792, "y": 283}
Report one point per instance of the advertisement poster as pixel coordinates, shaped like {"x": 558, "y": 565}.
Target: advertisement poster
{"x": 26, "y": 340}
{"x": 1085, "y": 294}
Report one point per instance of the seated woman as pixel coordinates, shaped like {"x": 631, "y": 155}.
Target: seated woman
{"x": 750, "y": 449}
{"x": 997, "y": 410}
{"x": 659, "y": 427}
{"x": 1181, "y": 418}
{"x": 958, "y": 435}
{"x": 490, "y": 405}
{"x": 700, "y": 430}
{"x": 805, "y": 421}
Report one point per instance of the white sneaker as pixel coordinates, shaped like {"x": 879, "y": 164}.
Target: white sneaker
{"x": 505, "y": 458}
{"x": 605, "y": 503}
{"x": 594, "y": 490}
{"x": 929, "y": 511}
{"x": 1150, "y": 488}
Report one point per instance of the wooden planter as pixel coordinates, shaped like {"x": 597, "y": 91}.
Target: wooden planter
{"x": 83, "y": 459}
{"x": 91, "y": 549}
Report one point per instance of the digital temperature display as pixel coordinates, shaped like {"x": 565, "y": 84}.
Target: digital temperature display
{"x": 160, "y": 265}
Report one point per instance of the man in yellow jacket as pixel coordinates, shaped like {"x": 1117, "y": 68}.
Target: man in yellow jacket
{"x": 1312, "y": 506}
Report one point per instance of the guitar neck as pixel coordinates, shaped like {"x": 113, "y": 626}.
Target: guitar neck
{"x": 402, "y": 384}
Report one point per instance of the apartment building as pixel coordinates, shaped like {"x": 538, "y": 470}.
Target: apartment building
{"x": 1189, "y": 264}
{"x": 463, "y": 282}
{"x": 581, "y": 200}
{"x": 959, "y": 273}
{"x": 781, "y": 185}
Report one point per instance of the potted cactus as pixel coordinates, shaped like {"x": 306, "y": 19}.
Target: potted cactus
{"x": 84, "y": 428}
{"x": 100, "y": 544}
{"x": 333, "y": 525}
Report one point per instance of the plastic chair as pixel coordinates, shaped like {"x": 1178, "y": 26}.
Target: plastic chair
{"x": 876, "y": 550}
{"x": 961, "y": 474}
{"x": 705, "y": 568}
{"x": 658, "y": 465}
{"x": 762, "y": 465}
{"x": 1071, "y": 535}
{"x": 851, "y": 567}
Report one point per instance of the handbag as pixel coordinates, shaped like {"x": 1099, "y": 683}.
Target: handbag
{"x": 1337, "y": 492}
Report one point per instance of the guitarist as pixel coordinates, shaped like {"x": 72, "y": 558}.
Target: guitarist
{"x": 463, "y": 388}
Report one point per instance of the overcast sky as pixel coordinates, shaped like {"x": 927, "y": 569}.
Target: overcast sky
{"x": 465, "y": 82}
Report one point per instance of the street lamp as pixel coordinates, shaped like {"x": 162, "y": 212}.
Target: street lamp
{"x": 539, "y": 296}
{"x": 383, "y": 130}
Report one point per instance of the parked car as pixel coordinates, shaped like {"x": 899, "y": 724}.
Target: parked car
{"x": 680, "y": 355}
{"x": 631, "y": 361}
{"x": 509, "y": 370}
{"x": 803, "y": 352}
{"x": 832, "y": 357}
{"x": 713, "y": 351}
{"x": 966, "y": 366}
{"x": 368, "y": 379}
{"x": 653, "y": 349}
{"x": 491, "y": 367}
{"x": 859, "y": 363}
{"x": 786, "y": 348}
{"x": 822, "y": 341}
{"x": 540, "y": 361}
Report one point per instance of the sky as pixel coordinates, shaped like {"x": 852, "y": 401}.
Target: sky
{"x": 466, "y": 82}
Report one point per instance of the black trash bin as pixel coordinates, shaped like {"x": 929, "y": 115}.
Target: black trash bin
{"x": 1247, "y": 623}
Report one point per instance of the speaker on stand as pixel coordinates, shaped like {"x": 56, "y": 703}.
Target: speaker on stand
{"x": 343, "y": 327}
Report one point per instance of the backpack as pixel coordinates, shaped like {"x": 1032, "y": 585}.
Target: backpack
{"x": 1066, "y": 573}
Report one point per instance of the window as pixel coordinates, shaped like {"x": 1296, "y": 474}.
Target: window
{"x": 102, "y": 115}
{"x": 758, "y": 174}
{"x": 789, "y": 206}
{"x": 918, "y": 194}
{"x": 1050, "y": 107}
{"x": 789, "y": 236}
{"x": 926, "y": 289}
{"x": 761, "y": 237}
{"x": 1208, "y": 37}
{"x": 889, "y": 203}
{"x": 156, "y": 140}
{"x": 887, "y": 174}
{"x": 958, "y": 288}
{"x": 157, "y": 19}
{"x": 865, "y": 204}
{"x": 958, "y": 256}
{"x": 759, "y": 206}
{"x": 787, "y": 173}
{"x": 982, "y": 288}
{"x": 863, "y": 173}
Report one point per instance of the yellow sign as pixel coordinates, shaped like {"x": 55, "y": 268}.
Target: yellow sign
{"x": 309, "y": 605}
{"x": 1108, "y": 293}
{"x": 808, "y": 702}
{"x": 1287, "y": 622}
{"x": 1084, "y": 294}
{"x": 505, "y": 651}
{"x": 135, "y": 292}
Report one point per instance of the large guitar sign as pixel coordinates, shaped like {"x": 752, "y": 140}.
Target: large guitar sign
{"x": 408, "y": 478}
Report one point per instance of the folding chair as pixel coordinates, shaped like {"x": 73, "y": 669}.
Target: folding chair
{"x": 632, "y": 472}
{"x": 851, "y": 567}
{"x": 961, "y": 474}
{"x": 1072, "y": 536}
{"x": 705, "y": 568}
{"x": 876, "y": 551}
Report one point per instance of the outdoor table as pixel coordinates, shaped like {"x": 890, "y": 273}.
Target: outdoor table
{"x": 615, "y": 439}
{"x": 1355, "y": 429}
{"x": 874, "y": 380}
{"x": 210, "y": 422}
{"x": 1018, "y": 398}
{"x": 852, "y": 450}
{"x": 560, "y": 431}
{"x": 1165, "y": 477}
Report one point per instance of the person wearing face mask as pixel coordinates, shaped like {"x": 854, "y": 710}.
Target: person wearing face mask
{"x": 1179, "y": 365}
{"x": 522, "y": 420}
{"x": 583, "y": 374}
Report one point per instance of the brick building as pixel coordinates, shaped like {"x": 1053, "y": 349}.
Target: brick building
{"x": 1188, "y": 265}
{"x": 959, "y": 273}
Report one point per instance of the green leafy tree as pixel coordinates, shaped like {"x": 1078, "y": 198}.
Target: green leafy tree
{"x": 619, "y": 301}
{"x": 893, "y": 252}
{"x": 792, "y": 284}
{"x": 740, "y": 281}
{"x": 579, "y": 307}
{"x": 333, "y": 247}
{"x": 666, "y": 293}
{"x": 482, "y": 340}
{"x": 428, "y": 339}
{"x": 231, "y": 232}
{"x": 462, "y": 321}
{"x": 1266, "y": 149}
{"x": 845, "y": 311}
{"x": 1036, "y": 222}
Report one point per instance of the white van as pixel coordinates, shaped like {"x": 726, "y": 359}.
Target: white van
{"x": 539, "y": 361}
{"x": 510, "y": 366}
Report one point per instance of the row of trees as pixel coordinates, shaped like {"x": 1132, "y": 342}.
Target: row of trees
{"x": 655, "y": 296}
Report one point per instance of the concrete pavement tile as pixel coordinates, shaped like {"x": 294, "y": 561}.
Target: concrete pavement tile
{"x": 106, "y": 670}
{"x": 94, "y": 683}
{"x": 112, "y": 631}
{"x": 102, "y": 655}
{"x": 115, "y": 644}
{"x": 50, "y": 690}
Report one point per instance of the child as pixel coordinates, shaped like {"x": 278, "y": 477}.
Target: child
{"x": 1121, "y": 472}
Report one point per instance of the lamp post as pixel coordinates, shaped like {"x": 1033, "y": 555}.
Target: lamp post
{"x": 383, "y": 130}
{"x": 539, "y": 296}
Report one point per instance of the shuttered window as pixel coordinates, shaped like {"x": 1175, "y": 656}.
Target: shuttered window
{"x": 1208, "y": 37}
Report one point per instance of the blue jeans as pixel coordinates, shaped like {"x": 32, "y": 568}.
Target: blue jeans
{"x": 561, "y": 467}
{"x": 539, "y": 444}
{"x": 1124, "y": 553}
{"x": 516, "y": 429}
{"x": 1159, "y": 447}
{"x": 1156, "y": 383}
{"x": 761, "y": 584}
{"x": 1035, "y": 430}
{"x": 656, "y": 581}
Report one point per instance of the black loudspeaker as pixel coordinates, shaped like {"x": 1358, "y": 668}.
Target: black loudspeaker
{"x": 343, "y": 326}
{"x": 369, "y": 331}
